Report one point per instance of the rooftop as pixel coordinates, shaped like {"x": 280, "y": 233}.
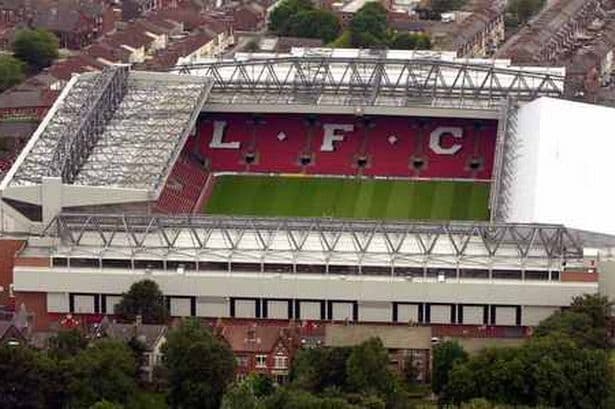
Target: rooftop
{"x": 135, "y": 146}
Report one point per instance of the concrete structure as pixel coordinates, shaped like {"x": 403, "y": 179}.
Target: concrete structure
{"x": 83, "y": 189}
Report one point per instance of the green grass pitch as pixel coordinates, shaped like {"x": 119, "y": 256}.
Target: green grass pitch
{"x": 349, "y": 198}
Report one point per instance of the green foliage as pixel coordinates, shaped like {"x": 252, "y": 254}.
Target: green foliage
{"x": 368, "y": 28}
{"x": 285, "y": 398}
{"x": 261, "y": 385}
{"x": 279, "y": 17}
{"x": 548, "y": 371}
{"x": 318, "y": 368}
{"x": 368, "y": 369}
{"x": 11, "y": 72}
{"x": 343, "y": 41}
{"x": 147, "y": 400}
{"x": 200, "y": 367}
{"x": 37, "y": 48}
{"x": 584, "y": 323}
{"x": 357, "y": 377}
{"x": 240, "y": 396}
{"x": 442, "y": 6}
{"x": 299, "y": 18}
{"x": 105, "y": 404}
{"x": 104, "y": 371}
{"x": 22, "y": 375}
{"x": 520, "y": 11}
{"x": 410, "y": 41}
{"x": 318, "y": 23}
{"x": 67, "y": 344}
{"x": 445, "y": 356}
{"x": 595, "y": 306}
{"x": 143, "y": 298}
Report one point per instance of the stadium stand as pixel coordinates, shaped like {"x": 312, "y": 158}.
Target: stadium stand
{"x": 183, "y": 188}
{"x": 343, "y": 145}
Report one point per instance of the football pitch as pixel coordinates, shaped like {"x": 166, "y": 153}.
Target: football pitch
{"x": 298, "y": 196}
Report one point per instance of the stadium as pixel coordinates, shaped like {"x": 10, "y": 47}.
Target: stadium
{"x": 323, "y": 184}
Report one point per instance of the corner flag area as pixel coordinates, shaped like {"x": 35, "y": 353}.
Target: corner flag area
{"x": 299, "y": 196}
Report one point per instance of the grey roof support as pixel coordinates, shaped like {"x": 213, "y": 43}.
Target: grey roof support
{"x": 82, "y": 131}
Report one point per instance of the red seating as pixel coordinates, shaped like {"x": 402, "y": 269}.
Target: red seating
{"x": 389, "y": 145}
{"x": 183, "y": 188}
{"x": 292, "y": 143}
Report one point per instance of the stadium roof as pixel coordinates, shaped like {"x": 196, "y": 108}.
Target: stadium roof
{"x": 369, "y": 79}
{"x": 563, "y": 167}
{"x": 319, "y": 241}
{"x": 117, "y": 128}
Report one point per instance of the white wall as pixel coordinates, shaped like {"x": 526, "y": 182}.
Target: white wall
{"x": 180, "y": 307}
{"x": 212, "y": 307}
{"x": 341, "y": 311}
{"x": 505, "y": 316}
{"x": 245, "y": 309}
{"x": 473, "y": 315}
{"x": 309, "y": 310}
{"x": 440, "y": 314}
{"x": 112, "y": 301}
{"x": 277, "y": 309}
{"x": 534, "y": 315}
{"x": 57, "y": 302}
{"x": 299, "y": 286}
{"x": 407, "y": 313}
{"x": 84, "y": 304}
{"x": 375, "y": 311}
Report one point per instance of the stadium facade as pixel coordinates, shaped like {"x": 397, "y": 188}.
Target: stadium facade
{"x": 111, "y": 188}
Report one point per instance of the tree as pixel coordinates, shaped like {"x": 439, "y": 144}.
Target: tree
{"x": 445, "y": 356}
{"x": 37, "y": 48}
{"x": 410, "y": 41}
{"x": 442, "y": 6}
{"x": 549, "y": 371}
{"x": 145, "y": 299}
{"x": 567, "y": 376}
{"x": 21, "y": 378}
{"x": 104, "y": 371}
{"x": 314, "y": 24}
{"x": 66, "y": 344}
{"x": 280, "y": 16}
{"x": 595, "y": 306}
{"x": 105, "y": 404}
{"x": 200, "y": 367}
{"x": 520, "y": 11}
{"x": 261, "y": 385}
{"x": 368, "y": 369}
{"x": 239, "y": 396}
{"x": 586, "y": 322}
{"x": 285, "y": 398}
{"x": 319, "y": 368}
{"x": 368, "y": 27}
{"x": 11, "y": 72}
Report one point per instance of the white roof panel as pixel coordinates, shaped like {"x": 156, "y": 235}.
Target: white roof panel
{"x": 564, "y": 166}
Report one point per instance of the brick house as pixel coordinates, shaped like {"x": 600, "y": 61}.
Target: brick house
{"x": 74, "y": 28}
{"x": 13, "y": 11}
{"x": 152, "y": 338}
{"x": 405, "y": 344}
{"x": 10, "y": 334}
{"x": 265, "y": 349}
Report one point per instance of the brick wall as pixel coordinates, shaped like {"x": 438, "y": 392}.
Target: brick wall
{"x": 36, "y": 304}
{"x": 579, "y": 276}
{"x": 8, "y": 248}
